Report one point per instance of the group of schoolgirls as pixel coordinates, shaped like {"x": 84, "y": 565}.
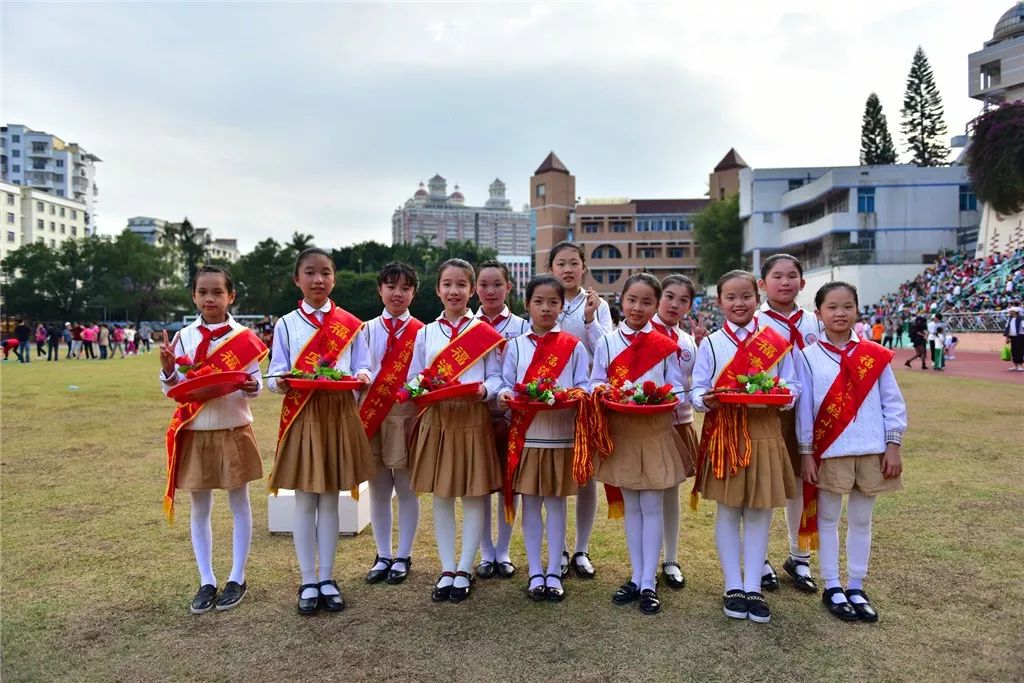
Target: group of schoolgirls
{"x": 843, "y": 441}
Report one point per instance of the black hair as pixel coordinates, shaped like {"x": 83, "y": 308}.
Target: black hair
{"x": 562, "y": 246}
{"x": 213, "y": 270}
{"x": 733, "y": 275}
{"x": 766, "y": 267}
{"x": 642, "y": 278}
{"x": 392, "y": 272}
{"x": 679, "y": 279}
{"x": 819, "y": 297}
{"x": 545, "y": 280}
{"x": 312, "y": 251}
{"x": 457, "y": 263}
{"x": 493, "y": 263}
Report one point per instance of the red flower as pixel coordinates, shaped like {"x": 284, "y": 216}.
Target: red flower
{"x": 183, "y": 360}
{"x": 427, "y": 373}
{"x": 520, "y": 388}
{"x": 560, "y": 395}
{"x": 665, "y": 390}
{"x": 649, "y": 387}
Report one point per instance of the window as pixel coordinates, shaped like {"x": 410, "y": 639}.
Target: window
{"x": 676, "y": 252}
{"x": 620, "y": 226}
{"x": 793, "y": 184}
{"x": 15, "y": 138}
{"x": 40, "y": 207}
{"x": 63, "y": 229}
{"x": 10, "y": 217}
{"x": 540, "y": 191}
{"x": 38, "y": 146}
{"x": 53, "y": 243}
{"x": 606, "y": 276}
{"x": 10, "y": 235}
{"x": 591, "y": 227}
{"x": 39, "y": 164}
{"x": 16, "y": 168}
{"x": 74, "y": 214}
{"x": 769, "y": 217}
{"x": 10, "y": 200}
{"x": 74, "y": 230}
{"x": 968, "y": 200}
{"x": 62, "y": 212}
{"x": 647, "y": 253}
{"x": 60, "y": 193}
{"x": 53, "y": 210}
{"x": 40, "y": 224}
{"x": 53, "y": 227}
{"x": 15, "y": 153}
{"x": 60, "y": 163}
{"x": 606, "y": 251}
{"x": 865, "y": 200}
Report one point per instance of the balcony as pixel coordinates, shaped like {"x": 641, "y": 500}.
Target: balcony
{"x": 38, "y": 179}
{"x": 833, "y": 222}
{"x": 38, "y": 153}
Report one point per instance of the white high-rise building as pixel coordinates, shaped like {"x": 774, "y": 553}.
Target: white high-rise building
{"x": 46, "y": 163}
{"x": 31, "y": 215}
{"x": 997, "y": 70}
{"x": 154, "y": 231}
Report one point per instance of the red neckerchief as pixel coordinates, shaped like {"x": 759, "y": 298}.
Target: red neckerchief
{"x": 795, "y": 337}
{"x": 311, "y": 317}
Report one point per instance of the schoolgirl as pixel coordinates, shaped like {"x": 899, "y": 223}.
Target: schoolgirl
{"x": 211, "y": 445}
{"x": 743, "y": 464}
{"x": 453, "y": 449}
{"x": 322, "y": 447}
{"x": 493, "y": 285}
{"x": 851, "y": 417}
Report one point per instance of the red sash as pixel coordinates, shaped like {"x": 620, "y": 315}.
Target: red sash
{"x": 859, "y": 370}
{"x": 465, "y": 349}
{"x": 333, "y": 336}
{"x": 394, "y": 368}
{"x": 725, "y": 427}
{"x": 235, "y": 353}
{"x": 631, "y": 363}
{"x": 554, "y": 350}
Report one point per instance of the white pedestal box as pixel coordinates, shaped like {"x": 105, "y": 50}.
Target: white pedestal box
{"x": 353, "y": 515}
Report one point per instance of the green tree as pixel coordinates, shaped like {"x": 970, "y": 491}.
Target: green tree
{"x": 995, "y": 157}
{"x": 720, "y": 236}
{"x": 190, "y": 246}
{"x": 263, "y": 278}
{"x": 135, "y": 277}
{"x": 876, "y": 146}
{"x": 299, "y": 242}
{"x": 29, "y": 274}
{"x": 923, "y": 125}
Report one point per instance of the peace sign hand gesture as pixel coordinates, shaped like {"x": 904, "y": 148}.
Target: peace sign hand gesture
{"x": 167, "y": 356}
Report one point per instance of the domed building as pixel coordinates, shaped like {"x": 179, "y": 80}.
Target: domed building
{"x": 997, "y": 70}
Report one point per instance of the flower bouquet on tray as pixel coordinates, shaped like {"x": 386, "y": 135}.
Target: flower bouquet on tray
{"x": 325, "y": 377}
{"x": 761, "y": 389}
{"x": 646, "y": 397}
{"x": 542, "y": 394}
{"x": 204, "y": 382}
{"x": 429, "y": 386}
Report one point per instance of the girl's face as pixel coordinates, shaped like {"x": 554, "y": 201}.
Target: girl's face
{"x": 492, "y": 288}
{"x": 675, "y": 303}
{"x": 568, "y": 267}
{"x": 782, "y": 284}
{"x": 315, "y": 279}
{"x": 544, "y": 307}
{"x": 738, "y": 300}
{"x": 211, "y": 297}
{"x": 396, "y": 296}
{"x": 639, "y": 303}
{"x": 838, "y": 311}
{"x": 454, "y": 289}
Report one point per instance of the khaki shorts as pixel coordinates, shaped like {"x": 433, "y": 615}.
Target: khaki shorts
{"x": 861, "y": 472}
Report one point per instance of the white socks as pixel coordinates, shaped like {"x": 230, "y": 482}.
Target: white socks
{"x": 489, "y": 551}
{"x": 753, "y": 546}
{"x": 643, "y": 521}
{"x": 586, "y": 513}
{"x": 756, "y": 524}
{"x": 533, "y": 532}
{"x": 444, "y": 535}
{"x": 670, "y": 528}
{"x": 400, "y": 481}
{"x": 472, "y": 531}
{"x": 858, "y": 537}
{"x": 444, "y": 532}
{"x": 315, "y": 531}
{"x": 202, "y": 533}
{"x": 794, "y": 511}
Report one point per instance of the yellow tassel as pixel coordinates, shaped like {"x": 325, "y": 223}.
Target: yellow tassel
{"x": 169, "y": 510}
{"x": 510, "y": 514}
{"x": 694, "y": 499}
{"x": 355, "y": 494}
{"x": 616, "y": 511}
{"x": 808, "y": 541}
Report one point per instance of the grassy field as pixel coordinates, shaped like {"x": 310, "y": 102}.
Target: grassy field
{"x": 95, "y": 585}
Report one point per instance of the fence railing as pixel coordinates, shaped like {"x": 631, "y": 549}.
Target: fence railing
{"x": 977, "y": 321}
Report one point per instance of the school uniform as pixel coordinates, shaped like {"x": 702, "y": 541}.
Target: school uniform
{"x": 217, "y": 448}
{"x": 325, "y": 448}
{"x": 453, "y": 452}
{"x": 646, "y": 447}
{"x": 509, "y": 326}
{"x": 573, "y": 321}
{"x": 545, "y": 464}
{"x": 389, "y": 445}
{"x": 682, "y": 418}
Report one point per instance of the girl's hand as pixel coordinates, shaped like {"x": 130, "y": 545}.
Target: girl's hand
{"x": 481, "y": 392}
{"x": 249, "y": 386}
{"x": 503, "y": 399}
{"x": 590, "y": 307}
{"x": 710, "y": 401}
{"x": 810, "y": 469}
{"x": 892, "y": 463}
{"x": 283, "y": 383}
{"x": 363, "y": 377}
{"x": 700, "y": 332}
{"x": 167, "y": 357}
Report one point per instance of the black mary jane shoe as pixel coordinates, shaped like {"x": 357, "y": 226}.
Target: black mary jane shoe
{"x": 309, "y": 605}
{"x": 865, "y": 611}
{"x": 843, "y": 610}
{"x": 555, "y": 593}
{"x": 459, "y": 594}
{"x": 649, "y": 602}
{"x": 627, "y": 593}
{"x": 485, "y": 570}
{"x": 506, "y": 570}
{"x": 397, "y": 576}
{"x": 537, "y": 593}
{"x": 442, "y": 593}
{"x": 331, "y": 603}
{"x": 670, "y": 579}
{"x": 565, "y": 564}
{"x": 734, "y": 604}
{"x": 204, "y": 599}
{"x": 757, "y": 608}
{"x": 231, "y": 595}
{"x": 582, "y": 572}
{"x": 378, "y": 575}
{"x": 803, "y": 582}
{"x": 770, "y": 579}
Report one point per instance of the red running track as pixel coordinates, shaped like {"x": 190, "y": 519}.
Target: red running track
{"x": 970, "y": 364}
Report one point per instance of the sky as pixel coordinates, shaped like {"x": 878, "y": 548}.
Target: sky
{"x": 258, "y": 119}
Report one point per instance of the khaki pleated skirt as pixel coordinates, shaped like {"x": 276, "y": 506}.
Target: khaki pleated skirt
{"x": 545, "y": 472}
{"x": 453, "y": 454}
{"x": 861, "y": 472}
{"x": 768, "y": 480}
{"x": 325, "y": 449}
{"x": 499, "y": 427}
{"x": 646, "y": 455}
{"x": 390, "y": 445}
{"x": 217, "y": 459}
{"x": 689, "y": 452}
{"x": 787, "y": 418}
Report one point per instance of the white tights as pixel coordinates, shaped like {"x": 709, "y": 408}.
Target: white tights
{"x": 399, "y": 480}
{"x": 202, "y": 533}
{"x": 670, "y": 523}
{"x": 586, "y": 514}
{"x": 489, "y": 551}
{"x": 643, "y": 518}
{"x": 858, "y": 536}
{"x": 533, "y": 534}
{"x": 315, "y": 533}
{"x": 752, "y": 547}
{"x": 444, "y": 532}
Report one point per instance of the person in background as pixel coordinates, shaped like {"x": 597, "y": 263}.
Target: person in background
{"x": 89, "y": 336}
{"x": 104, "y": 340}
{"x": 40, "y": 338}
{"x": 877, "y": 330}
{"x": 939, "y": 354}
{"x": 129, "y": 339}
{"x": 918, "y": 339}
{"x": 145, "y": 337}
{"x": 22, "y": 332}
{"x": 891, "y": 327}
{"x": 73, "y": 336}
{"x": 53, "y": 335}
{"x": 117, "y": 341}
{"x": 10, "y": 345}
{"x": 1014, "y": 333}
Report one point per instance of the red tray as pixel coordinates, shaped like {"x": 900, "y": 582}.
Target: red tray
{"x": 206, "y": 387}
{"x": 537, "y": 406}
{"x": 639, "y": 409}
{"x": 324, "y": 384}
{"x": 468, "y": 390}
{"x": 738, "y": 398}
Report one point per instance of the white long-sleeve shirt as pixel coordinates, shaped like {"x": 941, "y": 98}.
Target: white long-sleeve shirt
{"x": 667, "y": 371}
{"x": 572, "y": 321}
{"x": 375, "y": 336}
{"x": 881, "y": 419}
{"x": 550, "y": 428}
{"x": 510, "y": 328}
{"x": 687, "y": 357}
{"x": 434, "y": 337}
{"x": 715, "y": 353}
{"x": 805, "y": 321}
{"x": 293, "y": 331}
{"x": 224, "y": 412}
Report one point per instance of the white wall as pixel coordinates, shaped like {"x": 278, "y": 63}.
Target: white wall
{"x": 872, "y": 282}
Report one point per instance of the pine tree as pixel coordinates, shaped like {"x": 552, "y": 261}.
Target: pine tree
{"x": 922, "y": 124}
{"x": 875, "y": 142}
